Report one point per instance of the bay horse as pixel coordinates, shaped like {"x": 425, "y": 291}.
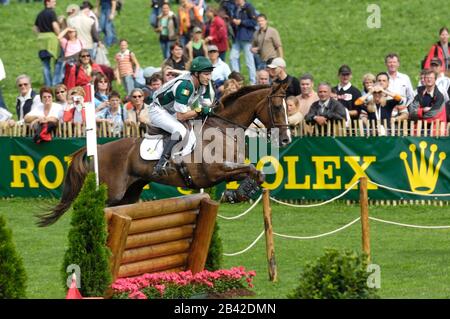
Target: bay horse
{"x": 125, "y": 173}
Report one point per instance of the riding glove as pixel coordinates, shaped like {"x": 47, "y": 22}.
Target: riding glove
{"x": 206, "y": 110}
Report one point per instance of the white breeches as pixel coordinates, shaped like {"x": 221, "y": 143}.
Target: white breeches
{"x": 159, "y": 117}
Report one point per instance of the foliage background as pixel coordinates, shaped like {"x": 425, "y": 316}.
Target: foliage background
{"x": 318, "y": 36}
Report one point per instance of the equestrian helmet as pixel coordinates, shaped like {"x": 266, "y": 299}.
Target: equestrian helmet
{"x": 201, "y": 64}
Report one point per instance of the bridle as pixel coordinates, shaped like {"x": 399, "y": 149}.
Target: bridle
{"x": 272, "y": 119}
{"x": 270, "y": 105}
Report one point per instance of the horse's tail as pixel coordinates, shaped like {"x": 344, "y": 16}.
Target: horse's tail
{"x": 76, "y": 173}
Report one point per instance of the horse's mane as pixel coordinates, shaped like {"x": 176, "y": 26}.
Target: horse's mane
{"x": 229, "y": 99}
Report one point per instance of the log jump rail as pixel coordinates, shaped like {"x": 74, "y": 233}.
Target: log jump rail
{"x": 163, "y": 235}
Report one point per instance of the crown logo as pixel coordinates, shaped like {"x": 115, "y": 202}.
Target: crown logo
{"x": 422, "y": 176}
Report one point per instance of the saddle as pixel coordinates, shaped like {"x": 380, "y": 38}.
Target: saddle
{"x": 153, "y": 131}
{"x": 152, "y": 147}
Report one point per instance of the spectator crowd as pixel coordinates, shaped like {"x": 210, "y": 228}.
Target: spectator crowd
{"x": 73, "y": 53}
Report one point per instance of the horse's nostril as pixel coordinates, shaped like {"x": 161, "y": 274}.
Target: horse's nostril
{"x": 285, "y": 141}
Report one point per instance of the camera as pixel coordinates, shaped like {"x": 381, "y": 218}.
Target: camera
{"x": 77, "y": 99}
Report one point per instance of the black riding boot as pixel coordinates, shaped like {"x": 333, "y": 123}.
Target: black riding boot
{"x": 160, "y": 168}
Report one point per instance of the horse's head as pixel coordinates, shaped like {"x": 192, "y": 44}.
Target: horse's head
{"x": 273, "y": 113}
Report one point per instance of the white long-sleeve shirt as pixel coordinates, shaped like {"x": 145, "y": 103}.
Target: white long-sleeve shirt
{"x": 402, "y": 85}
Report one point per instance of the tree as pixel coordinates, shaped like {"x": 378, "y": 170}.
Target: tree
{"x": 215, "y": 252}
{"x": 12, "y": 273}
{"x": 87, "y": 240}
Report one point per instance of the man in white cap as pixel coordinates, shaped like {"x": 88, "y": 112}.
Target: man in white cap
{"x": 221, "y": 69}
{"x": 277, "y": 72}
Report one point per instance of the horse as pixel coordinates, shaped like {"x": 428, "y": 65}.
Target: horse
{"x": 125, "y": 173}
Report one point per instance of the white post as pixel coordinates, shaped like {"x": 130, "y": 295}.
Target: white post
{"x": 91, "y": 132}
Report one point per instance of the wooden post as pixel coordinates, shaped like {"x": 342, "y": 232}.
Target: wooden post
{"x": 270, "y": 249}
{"x": 118, "y": 232}
{"x": 364, "y": 204}
{"x": 202, "y": 235}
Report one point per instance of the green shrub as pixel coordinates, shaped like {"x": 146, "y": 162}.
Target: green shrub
{"x": 335, "y": 275}
{"x": 215, "y": 252}
{"x": 87, "y": 240}
{"x": 212, "y": 192}
{"x": 12, "y": 274}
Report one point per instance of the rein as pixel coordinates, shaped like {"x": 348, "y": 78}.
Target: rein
{"x": 257, "y": 129}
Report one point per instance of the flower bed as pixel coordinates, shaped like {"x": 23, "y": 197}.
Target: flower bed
{"x": 184, "y": 284}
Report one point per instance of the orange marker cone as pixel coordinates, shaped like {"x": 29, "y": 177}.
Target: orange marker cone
{"x": 73, "y": 292}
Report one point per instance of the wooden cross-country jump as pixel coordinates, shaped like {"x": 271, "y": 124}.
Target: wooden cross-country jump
{"x": 163, "y": 235}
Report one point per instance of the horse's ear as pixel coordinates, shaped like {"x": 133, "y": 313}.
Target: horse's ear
{"x": 280, "y": 87}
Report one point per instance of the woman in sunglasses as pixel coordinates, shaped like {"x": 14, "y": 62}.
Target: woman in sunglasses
{"x": 102, "y": 88}
{"x": 83, "y": 72}
{"x": 45, "y": 112}
{"x": 61, "y": 95}
{"x": 136, "y": 111}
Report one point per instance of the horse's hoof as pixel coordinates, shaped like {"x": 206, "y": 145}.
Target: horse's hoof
{"x": 229, "y": 196}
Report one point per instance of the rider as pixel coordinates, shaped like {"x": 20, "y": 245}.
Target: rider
{"x": 173, "y": 101}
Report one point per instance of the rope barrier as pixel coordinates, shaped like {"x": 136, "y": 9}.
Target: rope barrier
{"x": 336, "y": 230}
{"x": 249, "y": 247}
{"x": 408, "y": 225}
{"x": 407, "y": 192}
{"x": 244, "y": 213}
{"x": 319, "y": 204}
{"x": 320, "y": 235}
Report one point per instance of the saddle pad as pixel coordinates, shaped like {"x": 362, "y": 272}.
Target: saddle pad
{"x": 152, "y": 146}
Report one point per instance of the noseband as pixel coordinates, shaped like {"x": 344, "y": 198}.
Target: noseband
{"x": 272, "y": 119}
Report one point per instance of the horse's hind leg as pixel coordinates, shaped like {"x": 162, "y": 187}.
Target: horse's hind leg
{"x": 116, "y": 192}
{"x": 133, "y": 193}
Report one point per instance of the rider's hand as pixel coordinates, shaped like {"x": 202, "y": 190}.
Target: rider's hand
{"x": 206, "y": 110}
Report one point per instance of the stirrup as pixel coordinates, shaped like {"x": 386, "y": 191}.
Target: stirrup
{"x": 163, "y": 170}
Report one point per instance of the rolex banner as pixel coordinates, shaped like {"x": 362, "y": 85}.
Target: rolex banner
{"x": 309, "y": 168}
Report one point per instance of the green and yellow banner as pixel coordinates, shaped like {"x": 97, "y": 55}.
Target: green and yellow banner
{"x": 309, "y": 168}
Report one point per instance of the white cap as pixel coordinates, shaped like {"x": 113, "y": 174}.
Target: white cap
{"x": 149, "y": 71}
{"x": 277, "y": 63}
{"x": 73, "y": 7}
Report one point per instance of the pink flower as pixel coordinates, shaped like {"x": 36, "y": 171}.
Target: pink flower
{"x": 159, "y": 281}
{"x": 161, "y": 289}
{"x": 137, "y": 295}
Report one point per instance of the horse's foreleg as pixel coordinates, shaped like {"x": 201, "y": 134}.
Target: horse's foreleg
{"x": 236, "y": 171}
{"x": 252, "y": 177}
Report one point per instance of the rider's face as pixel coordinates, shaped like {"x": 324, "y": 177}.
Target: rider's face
{"x": 204, "y": 77}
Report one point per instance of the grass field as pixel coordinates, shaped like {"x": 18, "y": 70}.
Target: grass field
{"x": 318, "y": 36}
{"x": 414, "y": 263}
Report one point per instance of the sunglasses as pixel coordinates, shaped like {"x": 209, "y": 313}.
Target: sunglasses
{"x": 103, "y": 82}
{"x": 137, "y": 96}
{"x": 85, "y": 56}
{"x": 60, "y": 92}
{"x": 23, "y": 84}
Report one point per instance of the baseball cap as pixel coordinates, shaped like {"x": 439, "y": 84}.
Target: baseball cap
{"x": 436, "y": 61}
{"x": 277, "y": 62}
{"x": 149, "y": 71}
{"x": 212, "y": 47}
{"x": 345, "y": 69}
{"x": 72, "y": 7}
{"x": 197, "y": 30}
